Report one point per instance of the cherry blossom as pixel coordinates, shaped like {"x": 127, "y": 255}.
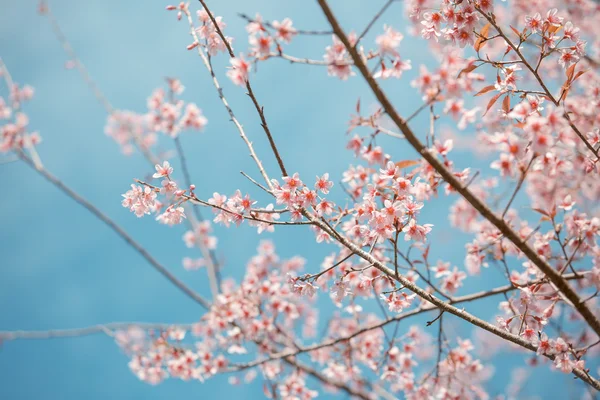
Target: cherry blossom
{"x": 498, "y": 134}
{"x": 239, "y": 70}
{"x": 163, "y": 171}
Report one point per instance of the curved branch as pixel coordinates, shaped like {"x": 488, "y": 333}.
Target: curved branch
{"x": 467, "y": 194}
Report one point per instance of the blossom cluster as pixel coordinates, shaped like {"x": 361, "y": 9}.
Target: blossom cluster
{"x": 165, "y": 114}
{"x": 142, "y": 200}
{"x": 14, "y": 123}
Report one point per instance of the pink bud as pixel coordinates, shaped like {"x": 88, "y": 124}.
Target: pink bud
{"x": 171, "y": 7}
{"x": 193, "y": 46}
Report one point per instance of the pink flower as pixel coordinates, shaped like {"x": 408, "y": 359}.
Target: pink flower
{"x": 441, "y": 269}
{"x": 340, "y": 289}
{"x": 140, "y": 200}
{"x": 398, "y": 67}
{"x": 390, "y": 171}
{"x": 308, "y": 289}
{"x": 506, "y": 165}
{"x": 323, "y": 184}
{"x": 567, "y": 58}
{"x": 239, "y": 70}
{"x": 392, "y": 210}
{"x": 209, "y": 33}
{"x": 218, "y": 199}
{"x": 324, "y": 207}
{"x": 338, "y": 61}
{"x": 163, "y": 171}
{"x": 389, "y": 41}
{"x": 571, "y": 32}
{"x": 554, "y": 19}
{"x": 465, "y": 37}
{"x": 193, "y": 118}
{"x": 545, "y": 345}
{"x": 285, "y": 31}
{"x": 444, "y": 148}
{"x": 322, "y": 236}
{"x": 453, "y": 280}
{"x": 261, "y": 45}
{"x": 168, "y": 187}
{"x": 416, "y": 232}
{"x": 398, "y": 302}
{"x": 564, "y": 363}
{"x": 256, "y": 26}
{"x": 567, "y": 203}
{"x": 171, "y": 216}
{"x": 534, "y": 23}
{"x": 292, "y": 182}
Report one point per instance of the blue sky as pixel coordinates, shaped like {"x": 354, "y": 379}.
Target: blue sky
{"x": 62, "y": 268}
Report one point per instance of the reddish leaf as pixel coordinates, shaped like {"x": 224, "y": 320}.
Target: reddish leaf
{"x": 515, "y": 31}
{"x": 485, "y": 90}
{"x": 570, "y": 71}
{"x": 469, "y": 68}
{"x": 553, "y": 28}
{"x": 491, "y": 103}
{"x": 485, "y": 30}
{"x": 478, "y": 44}
{"x": 579, "y": 74}
{"x": 406, "y": 163}
{"x": 506, "y": 104}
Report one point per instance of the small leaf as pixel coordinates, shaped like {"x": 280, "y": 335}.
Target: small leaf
{"x": 553, "y": 29}
{"x": 515, "y": 31}
{"x": 485, "y": 30}
{"x": 466, "y": 70}
{"x": 570, "y": 71}
{"x": 491, "y": 103}
{"x": 485, "y": 90}
{"x": 506, "y": 104}
{"x": 577, "y": 75}
{"x": 406, "y": 163}
{"x": 565, "y": 90}
{"x": 478, "y": 44}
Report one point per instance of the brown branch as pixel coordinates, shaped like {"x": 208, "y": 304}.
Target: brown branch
{"x": 208, "y": 65}
{"x": 447, "y": 175}
{"x": 397, "y": 318}
{"x": 258, "y": 107}
{"x": 500, "y": 224}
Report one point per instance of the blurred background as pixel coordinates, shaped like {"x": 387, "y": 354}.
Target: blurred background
{"x": 60, "y": 267}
